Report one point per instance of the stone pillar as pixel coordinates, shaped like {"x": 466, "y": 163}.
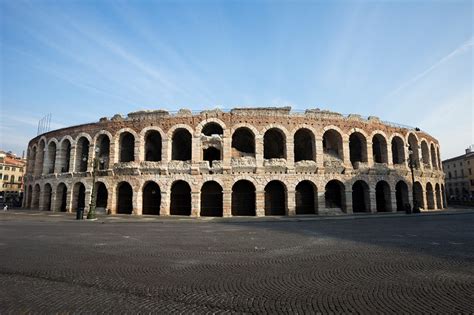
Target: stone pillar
{"x": 165, "y": 152}
{"x": 55, "y": 200}
{"x": 69, "y": 200}
{"x": 137, "y": 150}
{"x": 389, "y": 155}
{"x": 72, "y": 159}
{"x": 90, "y": 158}
{"x": 348, "y": 201}
{"x": 41, "y": 200}
{"x": 321, "y": 201}
{"x": 226, "y": 151}
{"x": 113, "y": 199}
{"x": 291, "y": 201}
{"x": 318, "y": 145}
{"x": 423, "y": 199}
{"x": 346, "y": 153}
{"x": 88, "y": 198}
{"x": 259, "y": 152}
{"x": 46, "y": 161}
{"x": 227, "y": 203}
{"x": 260, "y": 203}
{"x": 290, "y": 155}
{"x": 196, "y": 204}
{"x": 393, "y": 201}
{"x": 164, "y": 205}
{"x": 138, "y": 203}
{"x": 373, "y": 201}
{"x": 370, "y": 153}
{"x": 60, "y": 155}
{"x": 435, "y": 199}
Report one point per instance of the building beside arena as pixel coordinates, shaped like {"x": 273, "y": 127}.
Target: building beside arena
{"x": 246, "y": 161}
{"x": 12, "y": 170}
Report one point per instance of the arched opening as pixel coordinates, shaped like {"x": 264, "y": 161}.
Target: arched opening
{"x": 243, "y": 143}
{"x": 425, "y": 154}
{"x": 127, "y": 147}
{"x": 151, "y": 198}
{"x": 103, "y": 143}
{"x": 274, "y": 144}
{"x": 211, "y": 199}
{"x": 382, "y": 197}
{"x": 360, "y": 197}
{"x": 438, "y": 158}
{"x": 211, "y": 154}
{"x": 357, "y": 148}
{"x": 40, "y": 158}
{"x": 430, "y": 196}
{"x": 438, "y": 197}
{"x": 36, "y": 195}
{"x": 332, "y": 145}
{"x": 418, "y": 198}
{"x": 306, "y": 197}
{"x": 47, "y": 194}
{"x": 61, "y": 198}
{"x": 32, "y": 160}
{"x": 65, "y": 156}
{"x": 243, "y": 198}
{"x": 124, "y": 198}
{"x": 401, "y": 194}
{"x": 82, "y": 154}
{"x": 379, "y": 149}
{"x": 434, "y": 163}
{"x": 79, "y": 196}
{"x": 212, "y": 128}
{"x": 398, "y": 151}
{"x": 413, "y": 145}
{"x": 29, "y": 197}
{"x": 443, "y": 194}
{"x": 181, "y": 145}
{"x": 51, "y": 160}
{"x": 334, "y": 195}
{"x": 304, "y": 149}
{"x": 180, "y": 198}
{"x": 102, "y": 198}
{"x": 275, "y": 199}
{"x": 153, "y": 146}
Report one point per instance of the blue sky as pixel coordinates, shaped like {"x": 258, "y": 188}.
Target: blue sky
{"x": 405, "y": 61}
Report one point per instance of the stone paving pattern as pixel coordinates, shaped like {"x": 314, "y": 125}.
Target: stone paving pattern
{"x": 419, "y": 264}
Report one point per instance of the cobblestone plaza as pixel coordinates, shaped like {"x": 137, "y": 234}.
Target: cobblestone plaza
{"x": 399, "y": 264}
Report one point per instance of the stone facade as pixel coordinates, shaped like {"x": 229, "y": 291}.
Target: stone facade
{"x": 247, "y": 161}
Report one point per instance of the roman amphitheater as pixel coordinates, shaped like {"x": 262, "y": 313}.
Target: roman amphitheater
{"x": 241, "y": 162}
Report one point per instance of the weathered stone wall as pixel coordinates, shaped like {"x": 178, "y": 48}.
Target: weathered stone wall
{"x": 330, "y": 160}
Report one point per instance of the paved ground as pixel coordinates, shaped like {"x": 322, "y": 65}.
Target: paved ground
{"x": 400, "y": 264}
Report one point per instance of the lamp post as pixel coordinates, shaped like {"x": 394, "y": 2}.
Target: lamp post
{"x": 95, "y": 165}
{"x": 412, "y": 165}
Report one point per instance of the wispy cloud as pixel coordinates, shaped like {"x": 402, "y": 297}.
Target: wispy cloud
{"x": 465, "y": 47}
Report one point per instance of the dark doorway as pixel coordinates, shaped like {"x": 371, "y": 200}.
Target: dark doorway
{"x": 418, "y": 198}
{"x": 82, "y": 154}
{"x": 65, "y": 156}
{"x": 47, "y": 197}
{"x": 275, "y": 201}
{"x": 401, "y": 193}
{"x": 304, "y": 145}
{"x": 211, "y": 200}
{"x": 151, "y": 198}
{"x": 102, "y": 196}
{"x": 104, "y": 151}
{"x": 212, "y": 128}
{"x": 180, "y": 198}
{"x": 243, "y": 199}
{"x": 274, "y": 144}
{"x": 334, "y": 194}
{"x": 127, "y": 147}
{"x": 243, "y": 142}
{"x": 211, "y": 154}
{"x": 305, "y": 198}
{"x": 398, "y": 153}
{"x": 379, "y": 149}
{"x": 153, "y": 146}
{"x": 61, "y": 194}
{"x": 360, "y": 197}
{"x": 430, "y": 196}
{"x": 81, "y": 196}
{"x": 357, "y": 148}
{"x": 125, "y": 198}
{"x": 382, "y": 196}
{"x": 181, "y": 145}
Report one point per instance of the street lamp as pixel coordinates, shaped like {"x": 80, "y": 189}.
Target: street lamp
{"x": 412, "y": 165}
{"x": 95, "y": 165}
